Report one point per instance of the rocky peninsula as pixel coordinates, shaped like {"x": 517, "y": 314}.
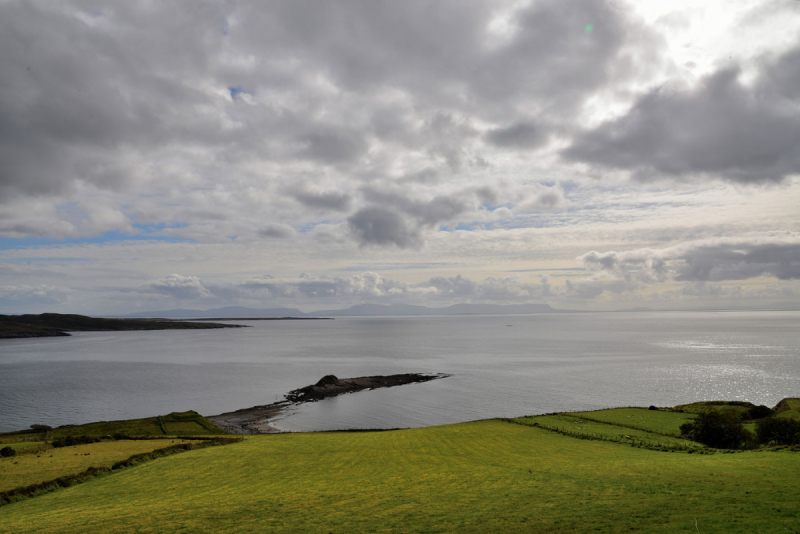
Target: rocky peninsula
{"x": 256, "y": 420}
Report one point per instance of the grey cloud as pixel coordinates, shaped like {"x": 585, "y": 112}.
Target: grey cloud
{"x": 519, "y": 135}
{"x": 382, "y": 226}
{"x": 427, "y": 212}
{"x": 721, "y": 128}
{"x": 543, "y": 198}
{"x": 740, "y": 261}
{"x": 126, "y": 96}
{"x": 487, "y": 195}
{"x": 71, "y": 93}
{"x": 425, "y": 176}
{"x": 395, "y": 219}
{"x": 772, "y": 254}
{"x": 282, "y": 231}
{"x": 440, "y": 209}
{"x": 650, "y": 264}
{"x": 329, "y": 200}
{"x": 333, "y": 146}
{"x": 548, "y": 57}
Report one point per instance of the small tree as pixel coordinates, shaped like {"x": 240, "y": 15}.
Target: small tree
{"x": 778, "y": 430}
{"x": 721, "y": 430}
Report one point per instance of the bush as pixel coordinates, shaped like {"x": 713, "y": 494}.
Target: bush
{"x": 74, "y": 440}
{"x": 721, "y": 430}
{"x": 783, "y": 431}
{"x": 7, "y": 452}
{"x": 760, "y": 412}
{"x": 46, "y": 428}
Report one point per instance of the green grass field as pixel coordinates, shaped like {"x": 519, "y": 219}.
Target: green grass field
{"x": 662, "y": 422}
{"x": 49, "y": 464}
{"x": 487, "y": 476}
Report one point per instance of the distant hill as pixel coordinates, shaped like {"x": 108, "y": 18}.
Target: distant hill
{"x": 359, "y": 310}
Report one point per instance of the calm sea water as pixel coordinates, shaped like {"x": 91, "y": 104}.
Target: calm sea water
{"x": 501, "y": 366}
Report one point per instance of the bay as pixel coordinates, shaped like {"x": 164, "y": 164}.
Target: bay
{"x": 500, "y": 366}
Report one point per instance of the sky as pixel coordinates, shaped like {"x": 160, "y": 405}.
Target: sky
{"x": 588, "y": 154}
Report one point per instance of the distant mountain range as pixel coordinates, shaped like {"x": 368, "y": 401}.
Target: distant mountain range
{"x": 359, "y": 310}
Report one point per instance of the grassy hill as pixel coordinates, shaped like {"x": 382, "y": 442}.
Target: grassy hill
{"x": 486, "y": 476}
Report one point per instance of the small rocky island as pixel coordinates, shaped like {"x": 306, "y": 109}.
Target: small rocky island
{"x": 255, "y": 420}
{"x": 57, "y": 324}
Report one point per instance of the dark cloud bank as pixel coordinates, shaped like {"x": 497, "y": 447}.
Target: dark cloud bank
{"x": 721, "y": 128}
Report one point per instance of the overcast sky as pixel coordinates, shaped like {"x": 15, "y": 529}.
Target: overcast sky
{"x": 586, "y": 154}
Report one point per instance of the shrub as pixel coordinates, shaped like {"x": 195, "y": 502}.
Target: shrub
{"x": 7, "y": 452}
{"x": 721, "y": 430}
{"x": 73, "y": 440}
{"x": 42, "y": 427}
{"x": 760, "y": 412}
{"x": 783, "y": 431}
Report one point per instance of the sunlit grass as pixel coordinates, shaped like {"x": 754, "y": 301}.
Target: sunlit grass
{"x": 488, "y": 476}
{"x": 52, "y": 463}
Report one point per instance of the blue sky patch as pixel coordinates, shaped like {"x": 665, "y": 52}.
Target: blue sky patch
{"x": 11, "y": 243}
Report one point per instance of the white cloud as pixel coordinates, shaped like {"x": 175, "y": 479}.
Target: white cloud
{"x": 180, "y": 287}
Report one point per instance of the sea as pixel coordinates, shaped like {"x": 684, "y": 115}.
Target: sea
{"x": 500, "y": 366}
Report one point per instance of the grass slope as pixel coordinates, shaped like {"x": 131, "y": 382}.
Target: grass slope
{"x": 487, "y": 476}
{"x": 788, "y": 408}
{"x": 27, "y": 469}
